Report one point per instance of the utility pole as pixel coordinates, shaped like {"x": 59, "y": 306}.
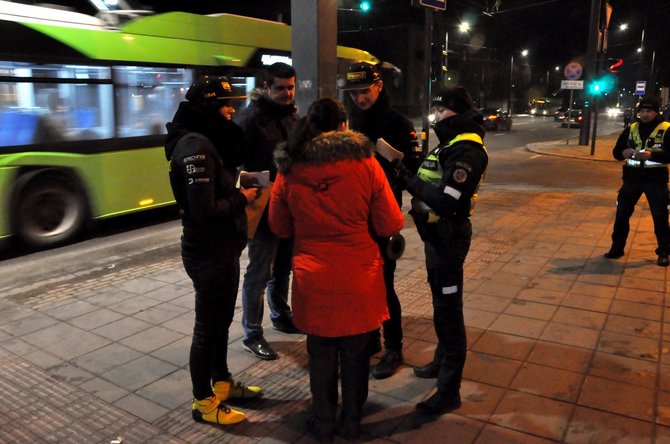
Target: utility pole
{"x": 591, "y": 69}
{"x": 428, "y": 75}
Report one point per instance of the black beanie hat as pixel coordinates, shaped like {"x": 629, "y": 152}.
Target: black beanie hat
{"x": 650, "y": 102}
{"x": 456, "y": 99}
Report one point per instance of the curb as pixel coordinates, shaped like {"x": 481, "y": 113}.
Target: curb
{"x": 541, "y": 148}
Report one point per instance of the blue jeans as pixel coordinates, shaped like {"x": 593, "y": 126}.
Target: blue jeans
{"x": 270, "y": 261}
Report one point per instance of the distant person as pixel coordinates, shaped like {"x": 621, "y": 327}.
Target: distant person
{"x": 444, "y": 192}
{"x": 666, "y": 112}
{"x": 627, "y": 117}
{"x": 52, "y": 125}
{"x": 266, "y": 122}
{"x": 203, "y": 147}
{"x": 334, "y": 199}
{"x": 645, "y": 146}
{"x": 372, "y": 115}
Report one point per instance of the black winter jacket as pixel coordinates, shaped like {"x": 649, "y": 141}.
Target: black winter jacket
{"x": 265, "y": 125}
{"x": 204, "y": 150}
{"x": 382, "y": 121}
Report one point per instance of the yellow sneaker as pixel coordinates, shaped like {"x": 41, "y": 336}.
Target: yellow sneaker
{"x": 214, "y": 411}
{"x": 225, "y": 390}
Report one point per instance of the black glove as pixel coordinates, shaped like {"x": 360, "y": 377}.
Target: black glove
{"x": 403, "y": 175}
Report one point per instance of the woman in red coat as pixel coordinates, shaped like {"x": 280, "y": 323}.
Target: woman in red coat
{"x": 332, "y": 196}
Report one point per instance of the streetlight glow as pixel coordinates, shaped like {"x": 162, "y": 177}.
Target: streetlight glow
{"x": 524, "y": 52}
{"x": 623, "y": 26}
{"x": 464, "y": 27}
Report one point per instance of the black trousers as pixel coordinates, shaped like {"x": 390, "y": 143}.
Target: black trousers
{"x": 657, "y": 196}
{"x": 215, "y": 280}
{"x": 444, "y": 264}
{"x": 392, "y": 328}
{"x": 348, "y": 356}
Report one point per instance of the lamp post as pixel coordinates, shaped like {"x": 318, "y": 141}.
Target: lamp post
{"x": 510, "y": 95}
{"x": 511, "y": 84}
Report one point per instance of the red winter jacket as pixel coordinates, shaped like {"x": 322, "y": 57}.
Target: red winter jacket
{"x": 332, "y": 196}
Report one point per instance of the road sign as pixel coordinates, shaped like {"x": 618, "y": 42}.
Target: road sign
{"x": 640, "y": 87}
{"x": 572, "y": 84}
{"x": 435, "y": 4}
{"x": 573, "y": 71}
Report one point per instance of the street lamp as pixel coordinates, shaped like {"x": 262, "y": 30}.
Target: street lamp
{"x": 524, "y": 53}
{"x": 464, "y": 27}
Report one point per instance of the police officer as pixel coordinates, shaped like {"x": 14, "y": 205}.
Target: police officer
{"x": 645, "y": 146}
{"x": 203, "y": 147}
{"x": 444, "y": 191}
{"x": 370, "y": 113}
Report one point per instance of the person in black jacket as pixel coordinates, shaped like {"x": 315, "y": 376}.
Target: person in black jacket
{"x": 371, "y": 114}
{"x": 203, "y": 147}
{"x": 266, "y": 122}
{"x": 444, "y": 191}
{"x": 645, "y": 146}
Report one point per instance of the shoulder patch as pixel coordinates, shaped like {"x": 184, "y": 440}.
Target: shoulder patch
{"x": 460, "y": 175}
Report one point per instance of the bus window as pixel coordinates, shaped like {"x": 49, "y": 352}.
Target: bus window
{"x": 53, "y": 103}
{"x": 147, "y": 98}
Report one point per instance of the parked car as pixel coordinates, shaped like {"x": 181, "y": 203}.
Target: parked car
{"x": 560, "y": 113}
{"x": 495, "y": 119}
{"x": 576, "y": 117}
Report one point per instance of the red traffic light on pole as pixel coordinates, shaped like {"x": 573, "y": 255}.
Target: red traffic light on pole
{"x": 616, "y": 65}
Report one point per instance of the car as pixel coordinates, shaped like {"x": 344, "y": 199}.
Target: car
{"x": 496, "y": 119}
{"x": 559, "y": 113}
{"x": 576, "y": 117}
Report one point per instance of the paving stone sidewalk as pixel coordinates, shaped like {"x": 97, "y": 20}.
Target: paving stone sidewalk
{"x": 564, "y": 345}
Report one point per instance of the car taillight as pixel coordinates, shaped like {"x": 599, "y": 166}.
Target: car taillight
{"x": 493, "y": 116}
{"x": 579, "y": 118}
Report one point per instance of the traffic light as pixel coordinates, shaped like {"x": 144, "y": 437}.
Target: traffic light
{"x": 614, "y": 65}
{"x": 602, "y": 85}
{"x": 365, "y": 6}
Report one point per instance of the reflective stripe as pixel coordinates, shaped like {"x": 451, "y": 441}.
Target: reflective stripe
{"x": 647, "y": 163}
{"x": 450, "y": 290}
{"x": 453, "y": 192}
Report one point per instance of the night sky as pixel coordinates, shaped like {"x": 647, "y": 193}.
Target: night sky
{"x": 554, "y": 31}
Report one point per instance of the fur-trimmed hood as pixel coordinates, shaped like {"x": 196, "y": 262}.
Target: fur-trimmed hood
{"x": 328, "y": 147}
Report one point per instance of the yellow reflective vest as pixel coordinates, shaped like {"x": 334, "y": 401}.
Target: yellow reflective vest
{"x": 656, "y": 138}
{"x": 431, "y": 169}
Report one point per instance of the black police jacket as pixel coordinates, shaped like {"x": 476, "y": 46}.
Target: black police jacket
{"x": 651, "y": 175}
{"x": 463, "y": 166}
{"x": 203, "y": 150}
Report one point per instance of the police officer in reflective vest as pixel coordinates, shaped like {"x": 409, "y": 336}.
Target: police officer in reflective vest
{"x": 645, "y": 146}
{"x": 444, "y": 191}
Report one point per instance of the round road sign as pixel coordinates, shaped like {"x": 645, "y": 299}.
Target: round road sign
{"x": 573, "y": 71}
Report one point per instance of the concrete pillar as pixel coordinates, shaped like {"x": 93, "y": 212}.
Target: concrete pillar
{"x": 314, "y": 40}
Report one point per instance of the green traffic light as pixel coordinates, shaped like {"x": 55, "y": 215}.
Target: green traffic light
{"x": 602, "y": 85}
{"x": 365, "y": 6}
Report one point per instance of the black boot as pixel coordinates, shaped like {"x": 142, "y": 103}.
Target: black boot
{"x": 390, "y": 362}
{"x": 439, "y": 404}
{"x": 428, "y": 371}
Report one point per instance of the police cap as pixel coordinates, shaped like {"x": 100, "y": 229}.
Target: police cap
{"x": 360, "y": 75}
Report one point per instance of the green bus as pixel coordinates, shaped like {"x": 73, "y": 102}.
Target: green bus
{"x": 84, "y": 102}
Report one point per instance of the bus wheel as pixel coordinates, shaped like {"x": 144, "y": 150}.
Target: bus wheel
{"x": 49, "y": 208}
